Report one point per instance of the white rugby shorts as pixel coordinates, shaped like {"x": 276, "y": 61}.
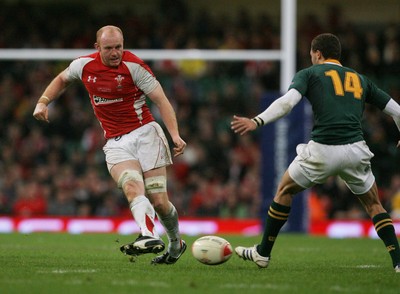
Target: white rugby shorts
{"x": 147, "y": 144}
{"x": 316, "y": 162}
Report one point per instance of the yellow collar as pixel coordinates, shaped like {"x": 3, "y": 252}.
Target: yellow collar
{"x": 335, "y": 61}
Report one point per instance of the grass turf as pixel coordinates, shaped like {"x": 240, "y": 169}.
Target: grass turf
{"x": 92, "y": 263}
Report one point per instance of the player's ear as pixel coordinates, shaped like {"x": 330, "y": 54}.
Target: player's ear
{"x": 96, "y": 46}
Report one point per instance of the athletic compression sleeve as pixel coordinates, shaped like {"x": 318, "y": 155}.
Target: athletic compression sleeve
{"x": 393, "y": 109}
{"x": 279, "y": 108}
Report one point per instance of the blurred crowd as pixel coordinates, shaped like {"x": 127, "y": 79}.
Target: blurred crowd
{"x": 59, "y": 168}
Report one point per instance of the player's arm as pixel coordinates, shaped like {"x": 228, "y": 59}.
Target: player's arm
{"x": 169, "y": 118}
{"x": 53, "y": 90}
{"x": 279, "y": 108}
{"x": 392, "y": 108}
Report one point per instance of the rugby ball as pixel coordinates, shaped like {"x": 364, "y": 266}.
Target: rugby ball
{"x": 211, "y": 250}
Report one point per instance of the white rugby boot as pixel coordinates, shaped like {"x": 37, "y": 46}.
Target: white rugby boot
{"x": 250, "y": 253}
{"x": 142, "y": 245}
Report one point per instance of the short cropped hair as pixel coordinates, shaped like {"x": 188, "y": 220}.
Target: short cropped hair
{"x": 328, "y": 44}
{"x": 107, "y": 28}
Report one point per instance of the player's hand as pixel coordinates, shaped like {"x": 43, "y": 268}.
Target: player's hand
{"x": 179, "y": 146}
{"x": 41, "y": 112}
{"x": 242, "y": 125}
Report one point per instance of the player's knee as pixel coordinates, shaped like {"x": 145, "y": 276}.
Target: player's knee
{"x": 161, "y": 205}
{"x": 129, "y": 175}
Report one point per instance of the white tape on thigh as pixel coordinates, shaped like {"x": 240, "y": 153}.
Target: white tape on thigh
{"x": 156, "y": 184}
{"x": 129, "y": 175}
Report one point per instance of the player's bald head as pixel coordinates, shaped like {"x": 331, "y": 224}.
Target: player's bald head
{"x": 110, "y": 45}
{"x": 108, "y": 31}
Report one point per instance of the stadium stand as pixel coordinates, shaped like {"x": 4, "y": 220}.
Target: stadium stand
{"x": 59, "y": 169}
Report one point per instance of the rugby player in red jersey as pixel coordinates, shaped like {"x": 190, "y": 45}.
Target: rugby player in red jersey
{"x": 136, "y": 151}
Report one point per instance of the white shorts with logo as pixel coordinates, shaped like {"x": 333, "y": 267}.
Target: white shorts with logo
{"x": 316, "y": 162}
{"x": 146, "y": 144}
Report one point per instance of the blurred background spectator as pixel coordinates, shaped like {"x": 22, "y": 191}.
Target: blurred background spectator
{"x": 59, "y": 168}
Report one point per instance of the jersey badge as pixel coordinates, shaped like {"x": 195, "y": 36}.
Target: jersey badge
{"x": 119, "y": 79}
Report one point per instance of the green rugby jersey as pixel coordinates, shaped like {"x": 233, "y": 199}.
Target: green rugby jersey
{"x": 337, "y": 95}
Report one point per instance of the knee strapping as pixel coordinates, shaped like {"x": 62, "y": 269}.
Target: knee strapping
{"x": 155, "y": 184}
{"x": 129, "y": 175}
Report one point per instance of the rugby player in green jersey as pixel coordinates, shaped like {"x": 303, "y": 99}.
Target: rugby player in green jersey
{"x": 337, "y": 148}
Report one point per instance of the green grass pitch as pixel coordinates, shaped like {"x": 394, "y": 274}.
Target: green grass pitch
{"x": 92, "y": 263}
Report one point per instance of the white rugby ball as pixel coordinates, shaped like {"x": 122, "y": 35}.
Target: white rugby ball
{"x": 212, "y": 250}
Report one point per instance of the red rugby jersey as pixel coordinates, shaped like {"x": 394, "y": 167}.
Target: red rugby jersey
{"x": 118, "y": 95}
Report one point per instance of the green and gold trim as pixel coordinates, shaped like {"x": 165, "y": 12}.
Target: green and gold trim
{"x": 383, "y": 223}
{"x": 277, "y": 214}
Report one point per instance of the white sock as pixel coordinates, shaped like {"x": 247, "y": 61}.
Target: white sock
{"x": 143, "y": 213}
{"x": 171, "y": 226}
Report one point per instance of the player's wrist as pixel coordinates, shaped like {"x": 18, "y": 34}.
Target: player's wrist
{"x": 44, "y": 99}
{"x": 258, "y": 121}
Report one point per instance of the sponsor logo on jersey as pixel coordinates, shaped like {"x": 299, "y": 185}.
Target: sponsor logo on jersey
{"x": 100, "y": 100}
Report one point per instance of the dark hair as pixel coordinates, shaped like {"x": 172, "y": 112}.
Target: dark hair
{"x": 328, "y": 44}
